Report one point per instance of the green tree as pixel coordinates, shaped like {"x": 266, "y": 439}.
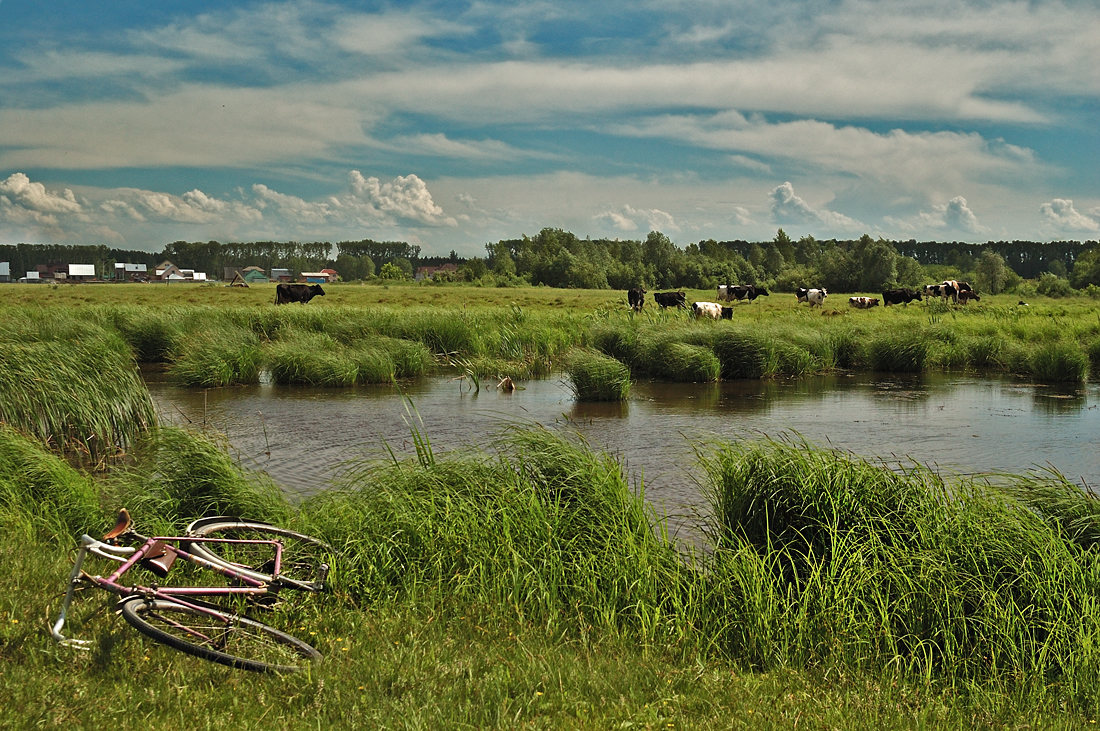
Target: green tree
{"x": 390, "y": 270}
{"x": 991, "y": 274}
{"x": 1086, "y": 270}
{"x": 876, "y": 264}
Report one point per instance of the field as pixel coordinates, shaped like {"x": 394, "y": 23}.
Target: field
{"x": 529, "y": 586}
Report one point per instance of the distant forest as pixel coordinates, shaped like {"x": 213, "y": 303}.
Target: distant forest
{"x": 558, "y": 258}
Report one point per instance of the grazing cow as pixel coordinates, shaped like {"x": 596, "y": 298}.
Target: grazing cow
{"x": 636, "y": 298}
{"x": 902, "y": 296}
{"x": 813, "y": 296}
{"x": 727, "y": 313}
{"x": 966, "y": 295}
{"x": 706, "y": 309}
{"x": 741, "y": 292}
{"x": 864, "y": 303}
{"x": 670, "y": 299}
{"x": 303, "y": 293}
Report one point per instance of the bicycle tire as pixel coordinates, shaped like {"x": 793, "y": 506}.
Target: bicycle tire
{"x": 305, "y": 559}
{"x": 221, "y": 637}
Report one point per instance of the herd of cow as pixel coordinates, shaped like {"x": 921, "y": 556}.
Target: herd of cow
{"x": 955, "y": 291}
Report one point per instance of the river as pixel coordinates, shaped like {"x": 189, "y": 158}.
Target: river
{"x": 959, "y": 424}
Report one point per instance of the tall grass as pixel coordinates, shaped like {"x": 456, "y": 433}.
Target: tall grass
{"x": 597, "y": 377}
{"x": 308, "y": 358}
{"x": 41, "y": 496}
{"x": 84, "y": 396}
{"x": 547, "y": 531}
{"x": 1059, "y": 362}
{"x": 220, "y": 357}
{"x": 823, "y": 557}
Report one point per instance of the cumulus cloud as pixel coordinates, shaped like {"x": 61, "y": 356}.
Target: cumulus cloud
{"x": 406, "y": 197}
{"x": 954, "y": 215}
{"x": 629, "y": 218}
{"x": 787, "y": 207}
{"x": 20, "y": 192}
{"x": 1062, "y": 216}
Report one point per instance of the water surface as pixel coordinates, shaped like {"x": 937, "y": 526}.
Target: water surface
{"x": 301, "y": 436}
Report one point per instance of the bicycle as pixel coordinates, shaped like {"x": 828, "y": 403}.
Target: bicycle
{"x": 257, "y": 559}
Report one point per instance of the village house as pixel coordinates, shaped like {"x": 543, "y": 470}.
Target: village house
{"x": 447, "y": 269}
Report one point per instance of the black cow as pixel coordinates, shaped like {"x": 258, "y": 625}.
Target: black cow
{"x": 746, "y": 291}
{"x": 636, "y": 298}
{"x": 670, "y": 299}
{"x": 303, "y": 293}
{"x": 727, "y": 313}
{"x": 901, "y": 296}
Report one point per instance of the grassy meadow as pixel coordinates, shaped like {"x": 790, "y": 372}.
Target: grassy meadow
{"x": 530, "y": 585}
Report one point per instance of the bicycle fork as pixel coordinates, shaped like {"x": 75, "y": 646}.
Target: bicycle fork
{"x": 87, "y": 545}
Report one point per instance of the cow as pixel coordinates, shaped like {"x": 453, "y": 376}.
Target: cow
{"x": 902, "y": 296}
{"x": 670, "y": 299}
{"x": 706, "y": 309}
{"x": 727, "y": 313}
{"x": 863, "y": 303}
{"x": 966, "y": 295}
{"x": 303, "y": 293}
{"x": 741, "y": 292}
{"x": 933, "y": 290}
{"x": 636, "y": 298}
{"x": 949, "y": 289}
{"x": 813, "y": 296}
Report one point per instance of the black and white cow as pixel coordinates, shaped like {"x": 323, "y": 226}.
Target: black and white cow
{"x": 706, "y": 309}
{"x": 741, "y": 292}
{"x": 635, "y": 297}
{"x": 813, "y": 296}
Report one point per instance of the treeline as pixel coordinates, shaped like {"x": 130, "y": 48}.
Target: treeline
{"x": 558, "y": 258}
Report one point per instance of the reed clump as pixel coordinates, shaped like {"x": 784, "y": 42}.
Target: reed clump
{"x": 594, "y": 376}
{"x": 546, "y": 530}
{"x": 821, "y": 557}
{"x": 310, "y": 358}
{"x": 1059, "y": 362}
{"x": 43, "y": 497}
{"x": 83, "y": 396}
{"x": 225, "y": 356}
{"x": 175, "y": 475}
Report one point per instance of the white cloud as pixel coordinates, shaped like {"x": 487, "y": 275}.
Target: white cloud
{"x": 787, "y": 207}
{"x": 953, "y": 216}
{"x": 1062, "y": 216}
{"x": 21, "y": 193}
{"x": 405, "y": 197}
{"x": 629, "y": 218}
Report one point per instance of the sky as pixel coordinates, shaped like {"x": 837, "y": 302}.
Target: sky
{"x": 454, "y": 124}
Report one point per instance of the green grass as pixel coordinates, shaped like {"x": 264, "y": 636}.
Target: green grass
{"x": 528, "y": 584}
{"x": 77, "y": 389}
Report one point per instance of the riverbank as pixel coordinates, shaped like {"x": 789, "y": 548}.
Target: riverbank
{"x": 532, "y": 588}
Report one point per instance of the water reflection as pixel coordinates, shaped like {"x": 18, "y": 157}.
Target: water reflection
{"x": 301, "y": 436}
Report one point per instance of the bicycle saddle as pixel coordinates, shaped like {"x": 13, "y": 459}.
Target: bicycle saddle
{"x": 122, "y": 524}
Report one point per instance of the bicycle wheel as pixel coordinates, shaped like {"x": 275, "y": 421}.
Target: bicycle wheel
{"x": 218, "y": 636}
{"x": 305, "y": 560}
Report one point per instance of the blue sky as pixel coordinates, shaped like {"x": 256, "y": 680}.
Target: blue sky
{"x": 453, "y": 124}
